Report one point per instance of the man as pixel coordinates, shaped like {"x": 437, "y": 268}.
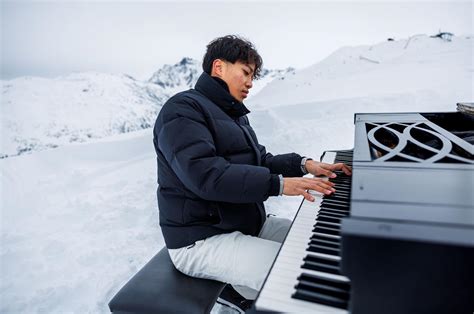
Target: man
{"x": 214, "y": 175}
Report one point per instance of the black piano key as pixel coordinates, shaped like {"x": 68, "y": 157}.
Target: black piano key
{"x": 329, "y": 213}
{"x": 339, "y": 198}
{"x": 319, "y": 298}
{"x": 333, "y": 288}
{"x": 341, "y": 179}
{"x": 330, "y": 244}
{"x": 317, "y": 236}
{"x": 331, "y": 282}
{"x": 323, "y": 249}
{"x": 320, "y": 290}
{"x": 336, "y": 201}
{"x": 321, "y": 267}
{"x": 327, "y": 224}
{"x": 318, "y": 226}
{"x": 342, "y": 189}
{"x": 322, "y": 217}
{"x": 327, "y": 230}
{"x": 341, "y": 186}
{"x": 326, "y": 240}
{"x": 334, "y": 209}
{"x": 342, "y": 206}
{"x": 341, "y": 192}
{"x": 323, "y": 260}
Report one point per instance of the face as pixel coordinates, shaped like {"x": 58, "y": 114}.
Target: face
{"x": 238, "y": 76}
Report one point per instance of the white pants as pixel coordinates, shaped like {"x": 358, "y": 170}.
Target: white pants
{"x": 234, "y": 258}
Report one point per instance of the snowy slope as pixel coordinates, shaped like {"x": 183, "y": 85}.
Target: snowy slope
{"x": 40, "y": 113}
{"x": 417, "y": 64}
{"x": 78, "y": 221}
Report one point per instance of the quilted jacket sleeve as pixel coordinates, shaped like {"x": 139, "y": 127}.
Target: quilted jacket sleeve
{"x": 289, "y": 165}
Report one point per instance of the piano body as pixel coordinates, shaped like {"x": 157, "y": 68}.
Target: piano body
{"x": 397, "y": 236}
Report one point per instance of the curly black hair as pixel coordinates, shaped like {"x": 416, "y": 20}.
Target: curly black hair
{"x": 232, "y": 48}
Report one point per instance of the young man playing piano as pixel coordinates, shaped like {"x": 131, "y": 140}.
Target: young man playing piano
{"x": 214, "y": 176}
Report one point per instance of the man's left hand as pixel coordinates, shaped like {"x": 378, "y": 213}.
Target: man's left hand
{"x": 324, "y": 169}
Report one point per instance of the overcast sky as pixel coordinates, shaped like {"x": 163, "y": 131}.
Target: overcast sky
{"x": 55, "y": 38}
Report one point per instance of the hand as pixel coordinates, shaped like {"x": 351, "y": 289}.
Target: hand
{"x": 324, "y": 169}
{"x": 298, "y": 186}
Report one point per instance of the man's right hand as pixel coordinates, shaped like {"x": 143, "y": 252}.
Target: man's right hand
{"x": 298, "y": 186}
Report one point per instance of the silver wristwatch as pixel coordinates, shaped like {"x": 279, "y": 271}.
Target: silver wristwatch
{"x": 281, "y": 184}
{"x": 303, "y": 164}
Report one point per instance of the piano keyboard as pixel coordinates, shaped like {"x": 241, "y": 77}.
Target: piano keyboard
{"x": 305, "y": 276}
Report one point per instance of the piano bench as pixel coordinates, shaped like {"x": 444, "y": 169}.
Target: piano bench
{"x": 160, "y": 288}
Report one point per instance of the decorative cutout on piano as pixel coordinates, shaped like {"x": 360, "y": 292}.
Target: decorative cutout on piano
{"x": 414, "y": 142}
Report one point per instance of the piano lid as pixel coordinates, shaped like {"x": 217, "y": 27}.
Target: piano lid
{"x": 414, "y": 167}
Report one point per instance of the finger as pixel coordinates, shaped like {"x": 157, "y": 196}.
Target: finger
{"x": 321, "y": 189}
{"x": 347, "y": 170}
{"x": 307, "y": 196}
{"x": 322, "y": 182}
{"x": 317, "y": 180}
{"x": 326, "y": 186}
{"x": 328, "y": 173}
{"x": 325, "y": 170}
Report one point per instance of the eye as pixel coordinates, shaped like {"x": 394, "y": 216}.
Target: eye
{"x": 246, "y": 72}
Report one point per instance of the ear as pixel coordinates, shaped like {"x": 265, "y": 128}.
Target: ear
{"x": 218, "y": 68}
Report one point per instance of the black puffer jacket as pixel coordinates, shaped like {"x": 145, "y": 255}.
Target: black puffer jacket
{"x": 213, "y": 175}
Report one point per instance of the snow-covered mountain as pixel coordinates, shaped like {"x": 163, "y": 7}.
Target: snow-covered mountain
{"x": 80, "y": 220}
{"x": 40, "y": 113}
{"x": 416, "y": 64}
{"x": 184, "y": 75}
{"x": 180, "y": 76}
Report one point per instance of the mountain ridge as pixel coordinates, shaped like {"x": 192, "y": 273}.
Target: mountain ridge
{"x": 43, "y": 113}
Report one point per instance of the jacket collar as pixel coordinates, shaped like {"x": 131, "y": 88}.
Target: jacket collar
{"x": 218, "y": 92}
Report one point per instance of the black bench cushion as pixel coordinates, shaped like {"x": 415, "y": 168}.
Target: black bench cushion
{"x": 159, "y": 288}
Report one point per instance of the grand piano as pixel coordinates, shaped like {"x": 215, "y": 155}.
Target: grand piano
{"x": 397, "y": 236}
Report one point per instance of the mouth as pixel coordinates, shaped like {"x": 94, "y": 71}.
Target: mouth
{"x": 245, "y": 93}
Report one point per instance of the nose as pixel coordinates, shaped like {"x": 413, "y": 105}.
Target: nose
{"x": 249, "y": 83}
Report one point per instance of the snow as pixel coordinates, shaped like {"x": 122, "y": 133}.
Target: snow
{"x": 419, "y": 64}
{"x": 79, "y": 220}
{"x": 40, "y": 113}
